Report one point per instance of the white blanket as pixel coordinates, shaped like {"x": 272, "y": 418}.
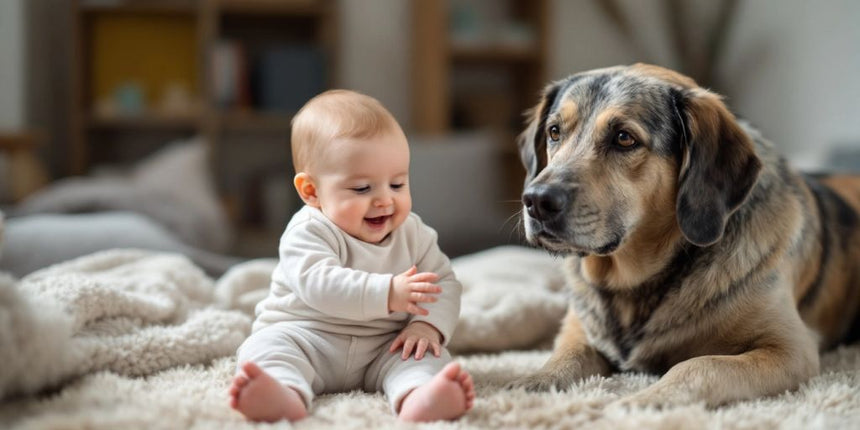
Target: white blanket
{"x": 127, "y": 311}
{"x": 136, "y": 312}
{"x": 132, "y": 339}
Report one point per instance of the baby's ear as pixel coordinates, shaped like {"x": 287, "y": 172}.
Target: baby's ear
{"x": 307, "y": 189}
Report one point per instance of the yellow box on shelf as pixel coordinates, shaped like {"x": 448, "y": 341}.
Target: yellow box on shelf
{"x": 144, "y": 61}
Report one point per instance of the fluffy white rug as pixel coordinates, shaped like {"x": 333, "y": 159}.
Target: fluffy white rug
{"x": 131, "y": 339}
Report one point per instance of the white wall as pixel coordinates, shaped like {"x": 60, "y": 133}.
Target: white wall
{"x": 796, "y": 66}
{"x": 791, "y": 67}
{"x": 374, "y": 48}
{"x": 581, "y": 38}
{"x": 11, "y": 64}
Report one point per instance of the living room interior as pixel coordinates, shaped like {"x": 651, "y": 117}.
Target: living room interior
{"x": 164, "y": 125}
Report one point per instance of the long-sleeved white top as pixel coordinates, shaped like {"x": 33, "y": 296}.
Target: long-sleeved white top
{"x": 331, "y": 281}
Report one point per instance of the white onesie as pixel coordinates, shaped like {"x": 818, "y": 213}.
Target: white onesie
{"x": 325, "y": 326}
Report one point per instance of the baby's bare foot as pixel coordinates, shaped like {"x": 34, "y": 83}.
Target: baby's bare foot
{"x": 260, "y": 397}
{"x": 447, "y": 396}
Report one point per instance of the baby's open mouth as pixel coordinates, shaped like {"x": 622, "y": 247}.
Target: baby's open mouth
{"x": 378, "y": 220}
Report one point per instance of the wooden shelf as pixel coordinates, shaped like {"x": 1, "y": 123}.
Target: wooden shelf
{"x": 144, "y": 121}
{"x": 270, "y": 7}
{"x": 230, "y": 121}
{"x": 184, "y": 7}
{"x": 494, "y": 54}
{"x": 254, "y": 121}
{"x": 19, "y": 140}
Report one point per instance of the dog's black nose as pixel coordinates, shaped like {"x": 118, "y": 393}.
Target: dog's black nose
{"x": 545, "y": 202}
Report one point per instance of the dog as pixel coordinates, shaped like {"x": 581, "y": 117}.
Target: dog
{"x": 692, "y": 249}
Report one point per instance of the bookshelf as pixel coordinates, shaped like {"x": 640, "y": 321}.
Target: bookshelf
{"x": 453, "y": 38}
{"x": 146, "y": 72}
{"x": 478, "y": 64}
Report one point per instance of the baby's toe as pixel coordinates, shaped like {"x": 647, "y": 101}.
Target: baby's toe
{"x": 466, "y": 382}
{"x": 240, "y": 381}
{"x": 452, "y": 371}
{"x": 251, "y": 369}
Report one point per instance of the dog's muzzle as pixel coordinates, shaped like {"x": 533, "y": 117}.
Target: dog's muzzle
{"x": 546, "y": 203}
{"x": 545, "y": 220}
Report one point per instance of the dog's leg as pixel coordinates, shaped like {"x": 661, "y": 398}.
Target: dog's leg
{"x": 718, "y": 379}
{"x": 572, "y": 359}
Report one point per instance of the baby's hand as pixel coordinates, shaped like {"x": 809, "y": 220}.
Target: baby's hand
{"x": 418, "y": 335}
{"x": 409, "y": 288}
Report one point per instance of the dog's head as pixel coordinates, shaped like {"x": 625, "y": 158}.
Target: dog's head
{"x": 615, "y": 151}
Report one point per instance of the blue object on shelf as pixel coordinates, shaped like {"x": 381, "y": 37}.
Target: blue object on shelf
{"x": 129, "y": 98}
{"x": 288, "y": 76}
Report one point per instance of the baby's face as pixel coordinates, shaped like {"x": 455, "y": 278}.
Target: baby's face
{"x": 362, "y": 185}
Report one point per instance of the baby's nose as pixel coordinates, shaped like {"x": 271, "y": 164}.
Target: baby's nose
{"x": 383, "y": 199}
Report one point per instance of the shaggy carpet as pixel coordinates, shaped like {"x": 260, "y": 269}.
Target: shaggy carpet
{"x": 133, "y": 339}
{"x": 194, "y": 396}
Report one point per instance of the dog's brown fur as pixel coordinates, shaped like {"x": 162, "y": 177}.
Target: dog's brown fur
{"x": 696, "y": 252}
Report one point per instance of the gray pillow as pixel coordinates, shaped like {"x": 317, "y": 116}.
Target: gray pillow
{"x": 37, "y": 241}
{"x": 173, "y": 187}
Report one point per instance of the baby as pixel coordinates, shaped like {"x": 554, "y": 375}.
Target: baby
{"x": 360, "y": 278}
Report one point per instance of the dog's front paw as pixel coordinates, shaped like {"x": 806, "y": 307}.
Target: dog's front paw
{"x": 537, "y": 382}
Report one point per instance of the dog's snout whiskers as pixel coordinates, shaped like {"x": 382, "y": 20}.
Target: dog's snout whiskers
{"x": 517, "y": 226}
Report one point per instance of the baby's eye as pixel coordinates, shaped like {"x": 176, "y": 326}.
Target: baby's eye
{"x": 397, "y": 186}
{"x": 361, "y": 190}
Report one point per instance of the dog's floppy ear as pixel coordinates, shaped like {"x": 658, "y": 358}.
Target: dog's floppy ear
{"x": 719, "y": 166}
{"x": 532, "y": 141}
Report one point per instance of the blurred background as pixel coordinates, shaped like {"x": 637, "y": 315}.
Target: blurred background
{"x": 165, "y": 123}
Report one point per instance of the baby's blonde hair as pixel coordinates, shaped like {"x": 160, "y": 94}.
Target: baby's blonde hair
{"x": 336, "y": 114}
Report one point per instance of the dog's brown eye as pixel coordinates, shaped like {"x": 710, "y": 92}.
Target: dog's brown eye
{"x": 554, "y": 133}
{"x": 624, "y": 139}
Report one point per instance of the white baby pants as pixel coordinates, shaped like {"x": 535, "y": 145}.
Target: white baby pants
{"x": 316, "y": 362}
